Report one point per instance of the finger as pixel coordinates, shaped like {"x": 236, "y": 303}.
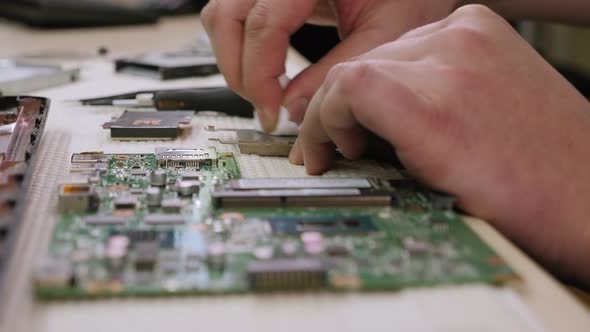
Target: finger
{"x": 361, "y": 94}
{"x": 328, "y": 124}
{"x": 426, "y": 30}
{"x": 269, "y": 25}
{"x": 296, "y": 156}
{"x": 315, "y": 145}
{"x": 341, "y": 126}
{"x": 392, "y": 99}
{"x": 359, "y": 38}
{"x": 224, "y": 22}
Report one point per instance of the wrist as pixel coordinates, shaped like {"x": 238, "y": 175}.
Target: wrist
{"x": 556, "y": 213}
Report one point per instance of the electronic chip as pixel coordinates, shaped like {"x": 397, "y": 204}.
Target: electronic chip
{"x": 190, "y": 175}
{"x": 164, "y": 219}
{"x": 171, "y": 157}
{"x": 325, "y": 225}
{"x": 172, "y": 205}
{"x": 148, "y": 125}
{"x": 146, "y": 255}
{"x": 138, "y": 172}
{"x": 106, "y": 220}
{"x": 126, "y": 202}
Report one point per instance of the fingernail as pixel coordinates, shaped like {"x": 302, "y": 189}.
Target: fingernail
{"x": 266, "y": 121}
{"x": 294, "y": 155}
{"x": 261, "y": 116}
{"x": 297, "y": 108}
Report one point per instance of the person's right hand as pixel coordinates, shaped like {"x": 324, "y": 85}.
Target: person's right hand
{"x": 473, "y": 110}
{"x": 251, "y": 37}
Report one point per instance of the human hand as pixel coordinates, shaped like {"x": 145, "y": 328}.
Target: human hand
{"x": 251, "y": 38}
{"x": 472, "y": 110}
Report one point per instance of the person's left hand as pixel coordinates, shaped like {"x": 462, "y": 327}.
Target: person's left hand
{"x": 472, "y": 110}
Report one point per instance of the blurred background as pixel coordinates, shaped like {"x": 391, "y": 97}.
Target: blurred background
{"x": 565, "y": 47}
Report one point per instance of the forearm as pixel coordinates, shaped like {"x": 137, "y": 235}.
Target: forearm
{"x": 562, "y": 11}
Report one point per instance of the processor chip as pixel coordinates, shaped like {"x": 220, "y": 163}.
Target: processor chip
{"x": 148, "y": 125}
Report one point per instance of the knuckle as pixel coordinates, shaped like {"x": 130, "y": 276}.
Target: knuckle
{"x": 259, "y": 18}
{"x": 210, "y": 13}
{"x": 473, "y": 11}
{"x": 361, "y": 72}
{"x": 334, "y": 74}
{"x": 350, "y": 76}
{"x": 467, "y": 36}
{"x": 479, "y": 16}
{"x": 234, "y": 84}
{"x": 354, "y": 59}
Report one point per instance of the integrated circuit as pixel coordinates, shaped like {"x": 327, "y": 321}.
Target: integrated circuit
{"x": 99, "y": 220}
{"x": 324, "y": 225}
{"x": 164, "y": 219}
{"x": 148, "y": 125}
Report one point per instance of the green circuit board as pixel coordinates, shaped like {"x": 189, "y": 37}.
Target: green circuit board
{"x": 183, "y": 222}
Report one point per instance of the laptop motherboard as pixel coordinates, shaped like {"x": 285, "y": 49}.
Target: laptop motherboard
{"x": 183, "y": 221}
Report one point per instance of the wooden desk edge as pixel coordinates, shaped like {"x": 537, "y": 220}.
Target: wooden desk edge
{"x": 547, "y": 298}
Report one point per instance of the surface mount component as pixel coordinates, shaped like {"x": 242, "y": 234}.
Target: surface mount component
{"x": 326, "y": 225}
{"x": 286, "y": 274}
{"x": 146, "y": 255}
{"x": 254, "y": 142}
{"x": 164, "y": 219}
{"x": 99, "y": 220}
{"x": 171, "y": 157}
{"x": 77, "y": 197}
{"x": 148, "y": 125}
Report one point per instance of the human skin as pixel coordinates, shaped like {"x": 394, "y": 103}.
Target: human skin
{"x": 251, "y": 38}
{"x": 472, "y": 110}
